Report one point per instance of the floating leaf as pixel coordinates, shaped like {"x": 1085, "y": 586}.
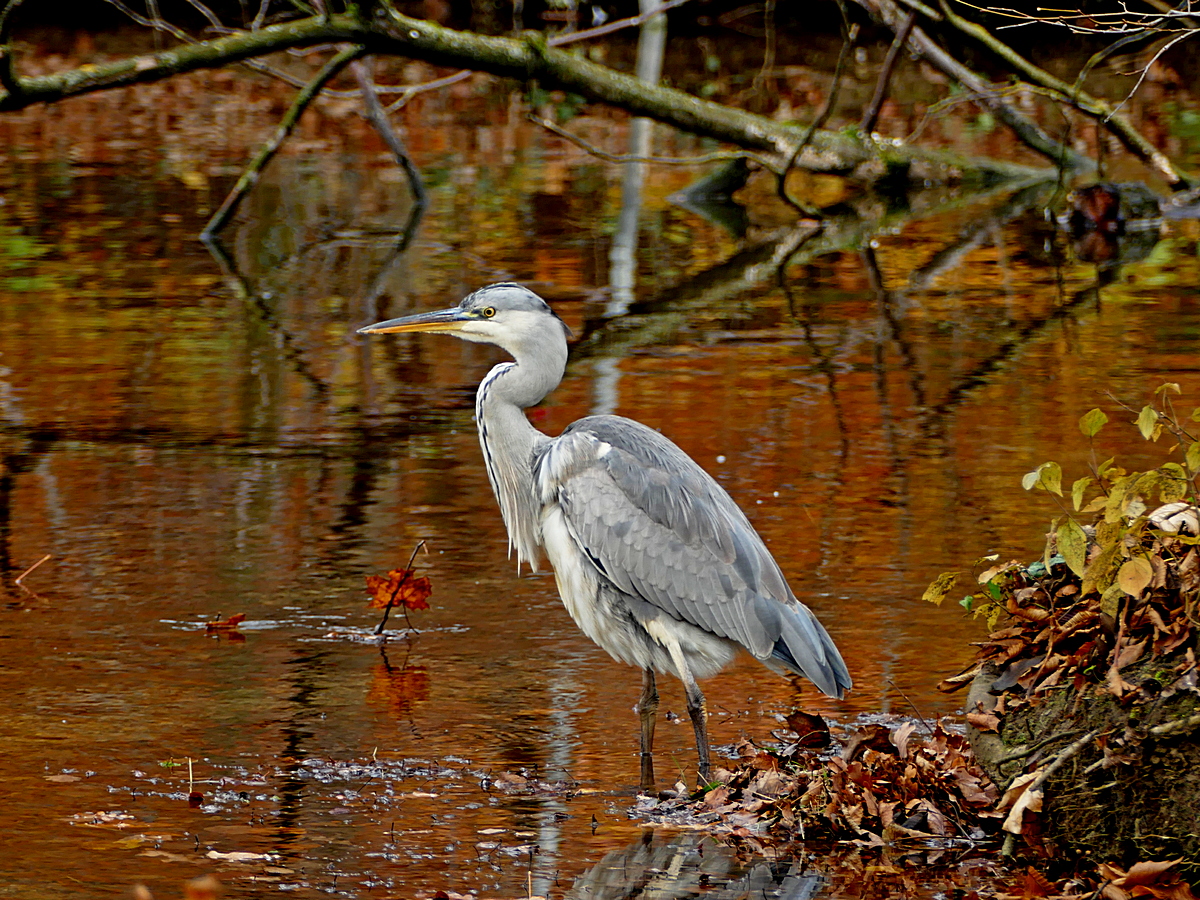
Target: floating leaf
{"x": 1135, "y": 575}
{"x": 1072, "y": 544}
{"x": 942, "y": 585}
{"x": 1146, "y": 421}
{"x": 398, "y": 588}
{"x": 1091, "y": 422}
{"x": 225, "y": 625}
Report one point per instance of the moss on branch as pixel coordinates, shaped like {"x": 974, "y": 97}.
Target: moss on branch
{"x": 524, "y": 59}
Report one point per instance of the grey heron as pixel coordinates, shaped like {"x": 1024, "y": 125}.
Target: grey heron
{"x": 653, "y": 559}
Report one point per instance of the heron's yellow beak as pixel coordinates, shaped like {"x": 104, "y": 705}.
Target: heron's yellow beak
{"x": 442, "y": 320}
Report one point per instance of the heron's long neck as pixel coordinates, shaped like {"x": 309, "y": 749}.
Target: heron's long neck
{"x": 509, "y": 443}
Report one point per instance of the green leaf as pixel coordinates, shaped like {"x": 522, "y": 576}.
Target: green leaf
{"x": 1114, "y": 506}
{"x": 1192, "y": 457}
{"x": 942, "y": 585}
{"x": 1174, "y": 483}
{"x": 967, "y": 602}
{"x": 1092, "y": 421}
{"x": 1146, "y": 421}
{"x": 1110, "y": 600}
{"x": 1168, "y": 386}
{"x": 1072, "y": 544}
{"x": 1134, "y": 575}
{"x": 1077, "y": 489}
{"x": 1047, "y": 476}
{"x": 1196, "y": 414}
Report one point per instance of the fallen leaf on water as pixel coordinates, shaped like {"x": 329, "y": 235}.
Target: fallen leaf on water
{"x": 224, "y": 626}
{"x": 398, "y": 588}
{"x": 813, "y": 731}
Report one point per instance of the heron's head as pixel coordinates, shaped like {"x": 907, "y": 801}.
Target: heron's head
{"x": 507, "y": 315}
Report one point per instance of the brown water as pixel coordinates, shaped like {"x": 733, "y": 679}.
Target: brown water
{"x": 190, "y": 442}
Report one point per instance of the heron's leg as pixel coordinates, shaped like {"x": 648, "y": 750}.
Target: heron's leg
{"x": 696, "y": 707}
{"x": 647, "y": 711}
{"x": 698, "y": 710}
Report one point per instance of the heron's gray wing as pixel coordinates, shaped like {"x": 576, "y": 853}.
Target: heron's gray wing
{"x": 665, "y": 533}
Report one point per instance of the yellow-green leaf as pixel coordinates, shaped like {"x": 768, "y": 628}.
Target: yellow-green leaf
{"x": 1168, "y": 386}
{"x": 1092, "y": 421}
{"x": 1192, "y": 457}
{"x": 1174, "y": 484}
{"x": 1047, "y": 476}
{"x": 1051, "y": 477}
{"x": 1134, "y": 575}
{"x": 1098, "y": 574}
{"x": 1146, "y": 421}
{"x": 1077, "y": 489}
{"x": 1116, "y": 499}
{"x": 1072, "y": 544}
{"x": 1110, "y": 599}
{"x": 942, "y": 585}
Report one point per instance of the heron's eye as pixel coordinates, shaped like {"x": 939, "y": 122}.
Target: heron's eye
{"x": 489, "y": 311}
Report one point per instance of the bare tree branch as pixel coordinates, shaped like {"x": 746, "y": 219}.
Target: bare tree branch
{"x": 1027, "y": 130}
{"x": 250, "y": 177}
{"x": 1075, "y": 96}
{"x": 525, "y": 59}
{"x": 378, "y": 117}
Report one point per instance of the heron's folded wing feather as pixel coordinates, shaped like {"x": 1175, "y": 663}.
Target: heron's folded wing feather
{"x": 664, "y": 532}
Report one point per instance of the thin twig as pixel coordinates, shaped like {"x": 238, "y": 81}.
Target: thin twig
{"x": 21, "y": 577}
{"x": 1177, "y": 727}
{"x": 250, "y": 176}
{"x": 719, "y": 156}
{"x": 392, "y": 600}
{"x": 1022, "y": 754}
{"x": 378, "y": 117}
{"x": 916, "y": 711}
{"x": 871, "y": 113}
{"x": 1075, "y": 96}
{"x": 848, "y": 40}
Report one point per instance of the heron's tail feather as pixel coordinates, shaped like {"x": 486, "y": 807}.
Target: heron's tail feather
{"x": 805, "y": 646}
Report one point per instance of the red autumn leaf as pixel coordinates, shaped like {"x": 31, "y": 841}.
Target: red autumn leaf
{"x": 225, "y": 625}
{"x": 398, "y": 588}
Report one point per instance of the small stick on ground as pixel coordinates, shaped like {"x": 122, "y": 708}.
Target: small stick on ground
{"x": 250, "y": 177}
